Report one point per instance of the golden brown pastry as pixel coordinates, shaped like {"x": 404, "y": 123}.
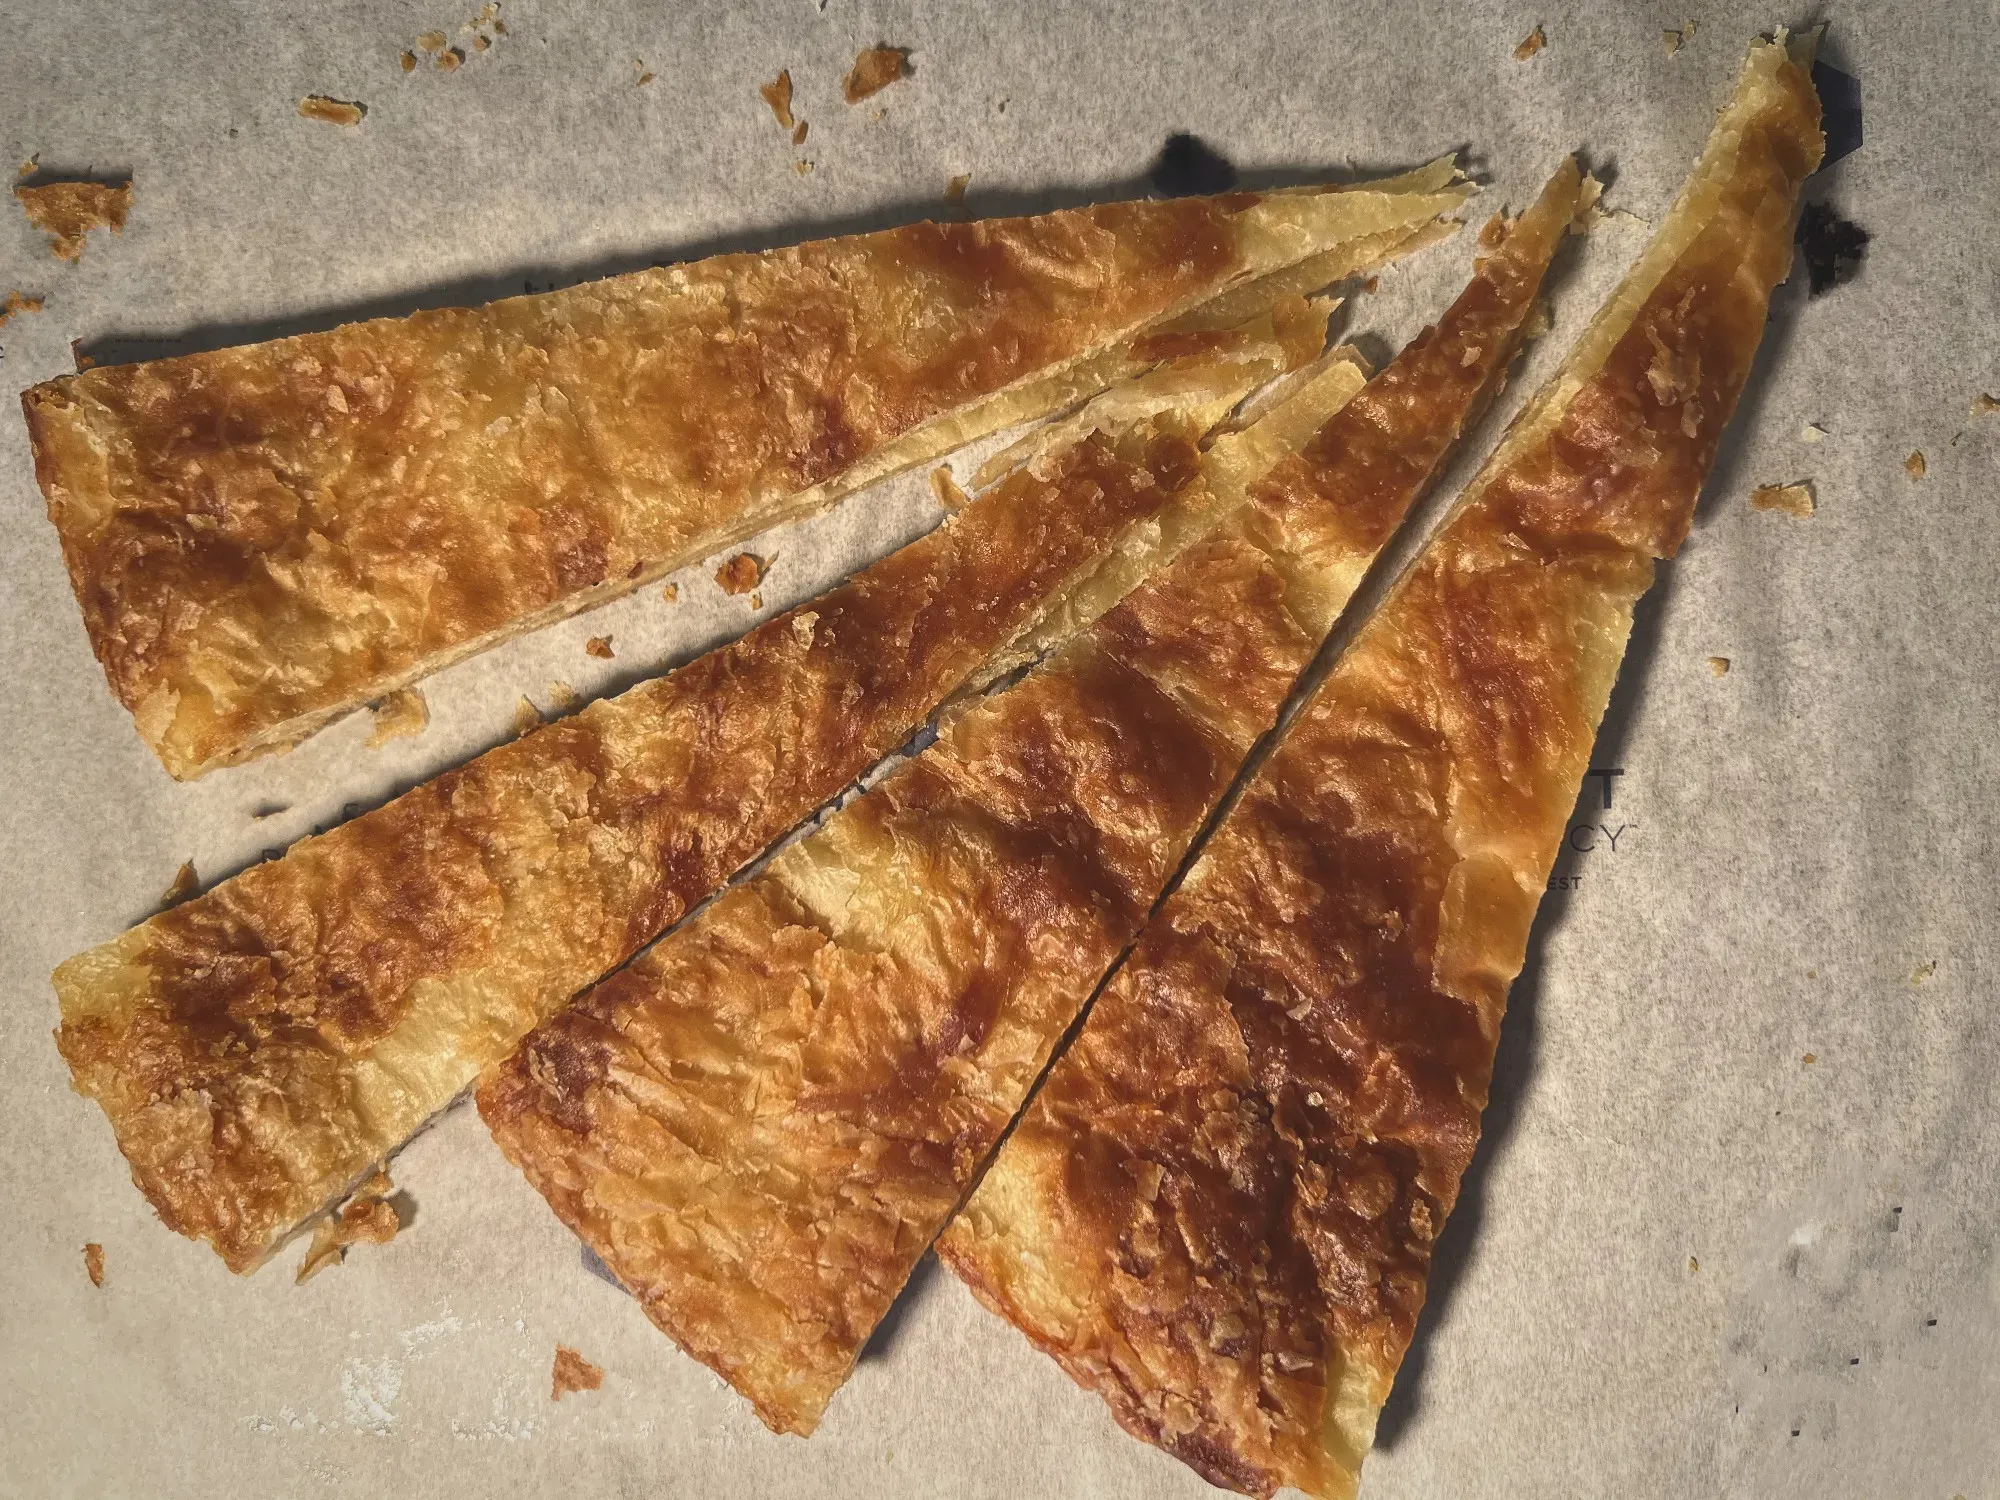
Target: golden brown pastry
{"x": 1218, "y": 1213}
{"x": 761, "y": 1123}
{"x": 264, "y": 538}
{"x": 259, "y": 1047}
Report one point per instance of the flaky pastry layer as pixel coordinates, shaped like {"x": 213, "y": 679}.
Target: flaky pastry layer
{"x": 1219, "y": 1211}
{"x": 266, "y": 537}
{"x": 761, "y": 1124}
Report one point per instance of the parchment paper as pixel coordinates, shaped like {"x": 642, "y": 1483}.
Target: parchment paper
{"x": 1691, "y": 1259}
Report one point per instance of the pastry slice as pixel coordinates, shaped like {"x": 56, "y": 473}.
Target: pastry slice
{"x": 264, "y": 538}
{"x": 761, "y": 1123}
{"x": 1218, "y": 1212}
{"x": 258, "y": 1047}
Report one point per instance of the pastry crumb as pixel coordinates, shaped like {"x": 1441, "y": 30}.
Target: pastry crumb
{"x": 1923, "y": 971}
{"x": 93, "y": 1263}
{"x": 671, "y": 592}
{"x": 1372, "y": 284}
{"x": 645, "y": 74}
{"x": 409, "y": 62}
{"x": 564, "y": 698}
{"x": 1718, "y": 666}
{"x": 1693, "y": 1264}
{"x": 1532, "y": 43}
{"x": 778, "y": 94}
{"x": 1792, "y": 499}
{"x": 756, "y": 601}
{"x": 741, "y": 573}
{"x": 599, "y": 646}
{"x": 1914, "y": 465}
{"x": 1812, "y": 432}
{"x": 450, "y": 60}
{"x": 78, "y": 358}
{"x": 799, "y": 135}
{"x": 875, "y": 68}
{"x": 946, "y": 489}
{"x": 803, "y": 625}
{"x": 432, "y": 41}
{"x": 954, "y": 191}
{"x": 572, "y": 1373}
{"x": 16, "y": 303}
{"x": 402, "y": 715}
{"x": 1981, "y": 403}
{"x": 67, "y": 211}
{"x": 185, "y": 884}
{"x": 366, "y": 1218}
{"x": 527, "y": 718}
{"x": 331, "y": 111}
{"x": 1671, "y": 41}
{"x": 802, "y": 167}
{"x": 1809, "y": 1059}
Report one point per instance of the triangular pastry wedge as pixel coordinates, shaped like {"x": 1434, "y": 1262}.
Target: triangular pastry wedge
{"x": 762, "y": 1122}
{"x": 258, "y": 1047}
{"x": 1218, "y": 1212}
{"x": 264, "y": 538}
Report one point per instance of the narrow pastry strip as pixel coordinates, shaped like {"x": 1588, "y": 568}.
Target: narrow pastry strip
{"x": 762, "y": 1122}
{"x": 1218, "y": 1211}
{"x": 264, "y": 538}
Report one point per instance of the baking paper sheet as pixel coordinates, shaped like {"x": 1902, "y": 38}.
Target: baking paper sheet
{"x": 1733, "y": 1229}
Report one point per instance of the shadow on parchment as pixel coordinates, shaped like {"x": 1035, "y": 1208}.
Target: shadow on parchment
{"x": 1515, "y": 1063}
{"x": 1183, "y": 164}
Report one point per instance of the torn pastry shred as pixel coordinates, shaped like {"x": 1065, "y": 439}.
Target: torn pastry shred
{"x": 875, "y": 68}
{"x": 185, "y": 884}
{"x": 741, "y": 573}
{"x": 366, "y": 1218}
{"x": 400, "y": 716}
{"x": 573, "y": 1373}
{"x": 1532, "y": 43}
{"x": 68, "y": 211}
{"x": 93, "y": 1263}
{"x": 332, "y": 111}
{"x": 599, "y": 646}
{"x": 1791, "y": 499}
{"x": 778, "y": 94}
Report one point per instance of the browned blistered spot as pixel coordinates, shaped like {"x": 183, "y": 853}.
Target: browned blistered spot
{"x": 875, "y": 68}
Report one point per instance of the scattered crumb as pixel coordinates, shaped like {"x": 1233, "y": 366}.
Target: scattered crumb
{"x": 1914, "y": 465}
{"x": 954, "y": 191}
{"x": 799, "y": 135}
{"x": 756, "y": 601}
{"x": 564, "y": 697}
{"x": 878, "y": 114}
{"x": 803, "y": 624}
{"x": 432, "y": 41}
{"x": 367, "y": 1217}
{"x": 68, "y": 211}
{"x": 1923, "y": 972}
{"x": 450, "y": 60}
{"x": 599, "y": 646}
{"x": 332, "y": 111}
{"x": 945, "y": 487}
{"x": 1372, "y": 284}
{"x": 1693, "y": 1264}
{"x": 572, "y": 1373}
{"x": 1719, "y": 666}
{"x": 1532, "y": 43}
{"x": 480, "y": 44}
{"x": 875, "y": 68}
{"x": 1812, "y": 432}
{"x": 17, "y": 303}
{"x": 741, "y": 573}
{"x": 1981, "y": 403}
{"x": 1793, "y": 499}
{"x": 1670, "y": 41}
{"x": 409, "y": 61}
{"x": 802, "y": 167}
{"x": 186, "y": 883}
{"x": 778, "y": 94}
{"x": 93, "y": 1263}
{"x": 527, "y": 718}
{"x": 645, "y": 75}
{"x": 81, "y": 360}
{"x": 400, "y": 716}
{"x": 671, "y": 592}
